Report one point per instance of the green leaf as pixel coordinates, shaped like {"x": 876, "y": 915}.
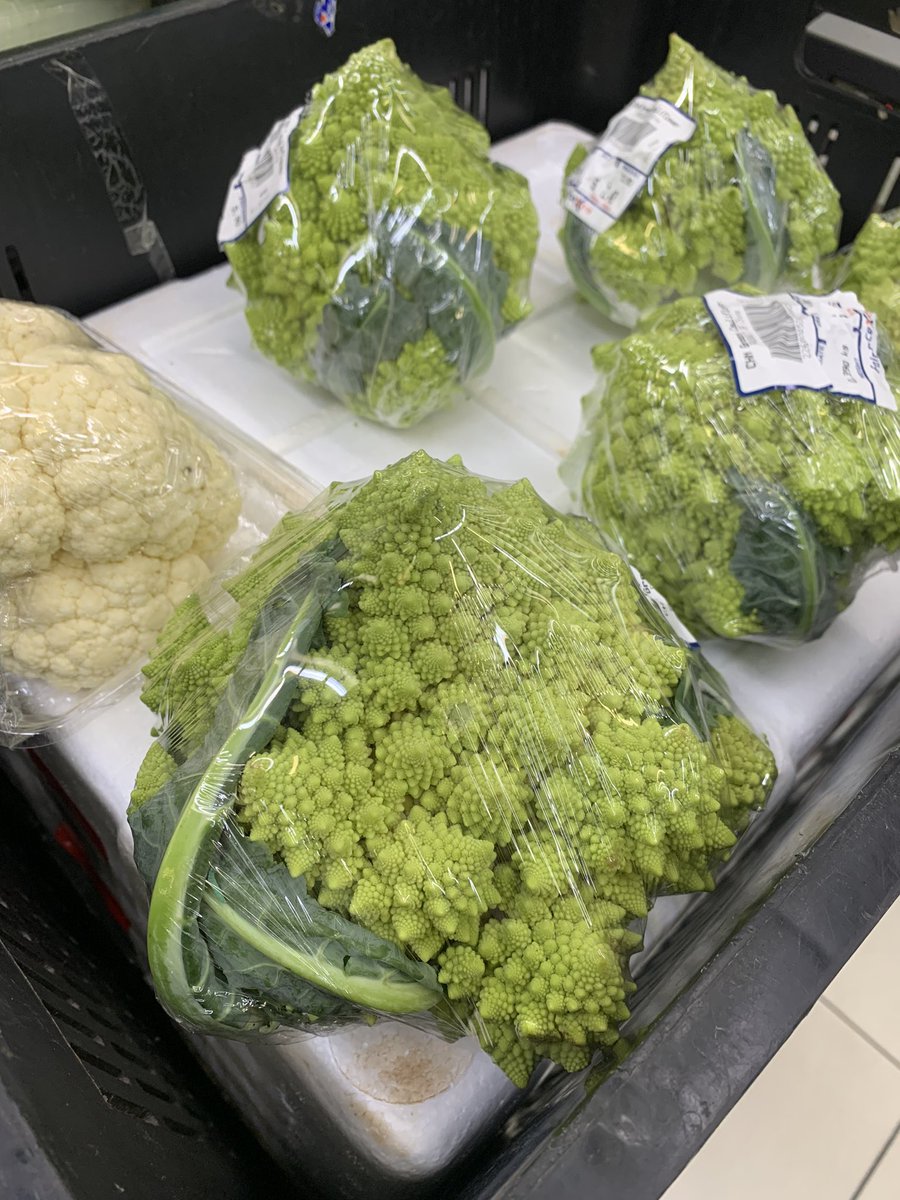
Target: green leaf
{"x": 408, "y": 278}
{"x": 204, "y": 878}
{"x": 577, "y": 240}
{"x": 767, "y": 240}
{"x": 701, "y": 696}
{"x": 315, "y": 960}
{"x": 790, "y": 580}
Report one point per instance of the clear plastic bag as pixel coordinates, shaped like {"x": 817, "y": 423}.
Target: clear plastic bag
{"x": 728, "y": 190}
{"x": 383, "y": 253}
{"x": 115, "y": 504}
{"x": 755, "y": 515}
{"x": 429, "y": 757}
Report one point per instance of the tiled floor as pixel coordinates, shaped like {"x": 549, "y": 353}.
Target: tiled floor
{"x": 822, "y": 1122}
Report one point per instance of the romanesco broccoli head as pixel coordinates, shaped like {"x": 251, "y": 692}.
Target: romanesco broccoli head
{"x": 487, "y": 762}
{"x": 398, "y": 253}
{"x": 873, "y": 271}
{"x": 744, "y": 199}
{"x": 753, "y": 515}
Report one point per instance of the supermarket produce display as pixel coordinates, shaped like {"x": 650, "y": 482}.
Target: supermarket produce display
{"x": 754, "y": 514}
{"x": 432, "y": 758}
{"x": 528, "y": 405}
{"x": 444, "y": 728}
{"x": 702, "y": 181}
{"x": 381, "y": 252}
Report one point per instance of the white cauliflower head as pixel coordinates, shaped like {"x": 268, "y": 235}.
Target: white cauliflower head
{"x": 25, "y": 328}
{"x": 128, "y": 470}
{"x": 111, "y": 502}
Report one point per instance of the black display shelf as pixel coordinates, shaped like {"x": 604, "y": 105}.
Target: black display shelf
{"x": 99, "y": 1097}
{"x": 117, "y": 143}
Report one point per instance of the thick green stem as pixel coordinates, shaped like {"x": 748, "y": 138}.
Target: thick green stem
{"x": 396, "y": 996}
{"x": 178, "y": 890}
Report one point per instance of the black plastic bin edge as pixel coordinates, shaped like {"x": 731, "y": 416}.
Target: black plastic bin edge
{"x": 99, "y": 1097}
{"x": 117, "y": 143}
{"x": 143, "y": 122}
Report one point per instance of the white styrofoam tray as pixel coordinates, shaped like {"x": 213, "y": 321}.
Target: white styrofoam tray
{"x": 520, "y": 420}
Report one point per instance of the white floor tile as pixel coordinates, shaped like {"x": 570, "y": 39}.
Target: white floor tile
{"x": 885, "y": 1181}
{"x": 867, "y": 991}
{"x": 808, "y": 1128}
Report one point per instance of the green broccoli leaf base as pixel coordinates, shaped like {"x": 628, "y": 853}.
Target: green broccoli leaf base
{"x": 792, "y": 583}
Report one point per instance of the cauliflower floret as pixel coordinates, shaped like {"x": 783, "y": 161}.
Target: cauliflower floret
{"x": 218, "y": 509}
{"x": 79, "y": 624}
{"x": 29, "y": 327}
{"x": 32, "y": 519}
{"x": 129, "y": 470}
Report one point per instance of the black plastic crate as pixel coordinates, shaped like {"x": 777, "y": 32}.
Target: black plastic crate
{"x": 98, "y": 1096}
{"x": 115, "y": 151}
{"x": 117, "y": 144}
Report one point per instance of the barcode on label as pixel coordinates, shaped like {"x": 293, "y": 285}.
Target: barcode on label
{"x": 774, "y": 326}
{"x": 629, "y": 132}
{"x": 264, "y": 167}
{"x": 825, "y": 343}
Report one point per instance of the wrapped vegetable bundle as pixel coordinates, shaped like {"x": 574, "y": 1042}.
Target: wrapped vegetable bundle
{"x": 754, "y": 510}
{"x": 113, "y": 505}
{"x": 873, "y": 270}
{"x": 699, "y": 182}
{"x": 392, "y": 253}
{"x": 434, "y": 763}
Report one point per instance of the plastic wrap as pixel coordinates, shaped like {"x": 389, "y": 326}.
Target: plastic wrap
{"x": 429, "y": 757}
{"x": 701, "y": 182}
{"x": 872, "y": 270}
{"x": 756, "y": 513}
{"x": 114, "y": 506}
{"x": 380, "y": 251}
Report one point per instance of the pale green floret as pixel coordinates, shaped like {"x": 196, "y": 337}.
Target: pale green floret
{"x": 157, "y": 767}
{"x": 735, "y": 746}
{"x": 498, "y": 781}
{"x": 874, "y": 271}
{"x": 399, "y": 251}
{"x": 752, "y": 515}
{"x": 462, "y": 970}
{"x": 422, "y": 379}
{"x": 558, "y": 974}
{"x": 702, "y": 221}
{"x": 428, "y": 884}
